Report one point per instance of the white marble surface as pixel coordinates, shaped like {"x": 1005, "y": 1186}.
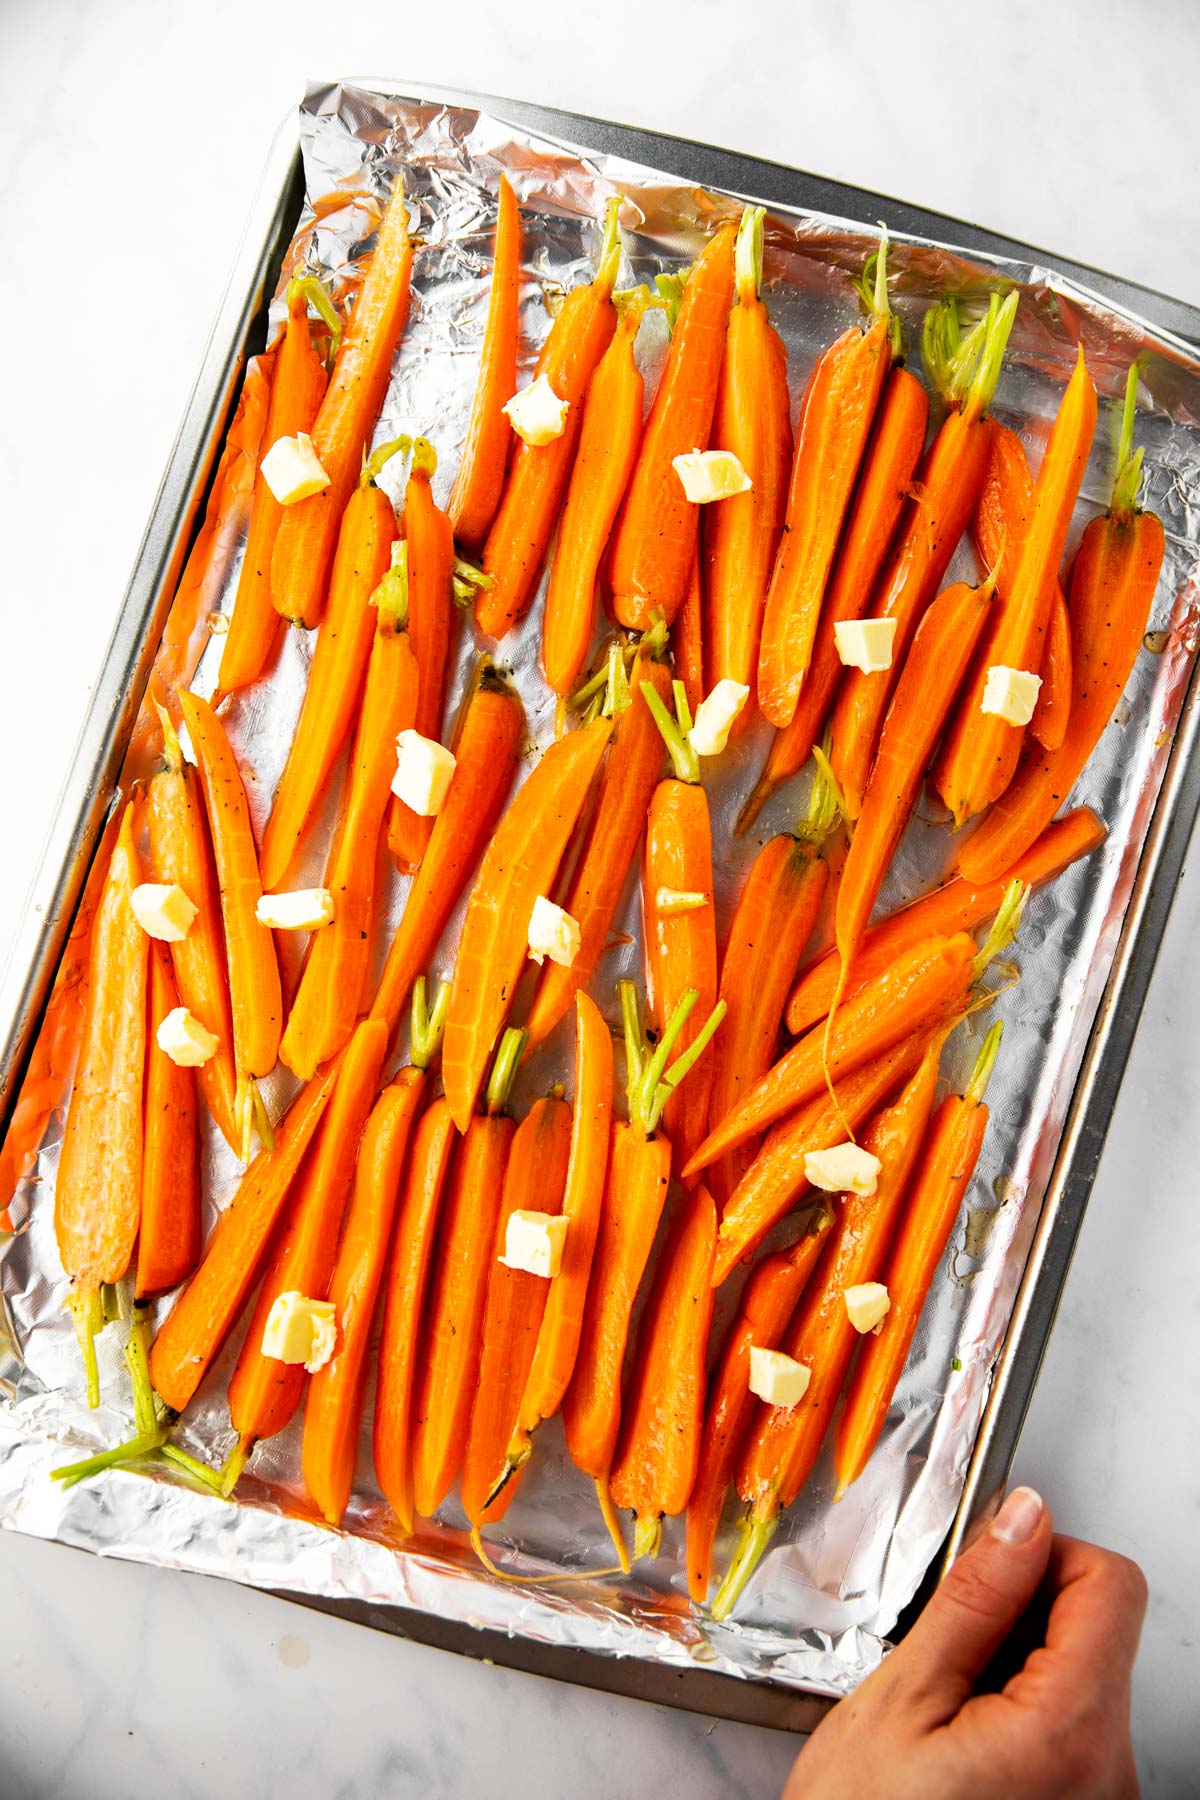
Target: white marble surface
{"x": 1056, "y": 123}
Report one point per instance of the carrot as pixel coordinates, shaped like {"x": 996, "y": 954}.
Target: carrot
{"x": 256, "y": 997}
{"x": 753, "y": 419}
{"x": 687, "y": 643}
{"x": 97, "y": 1191}
{"x": 297, "y": 388}
{"x": 265, "y": 1391}
{"x": 1113, "y": 581}
{"x": 895, "y": 446}
{"x": 520, "y": 534}
{"x": 429, "y": 564}
{"x": 942, "y": 1178}
{"x": 955, "y": 906}
{"x": 197, "y": 1324}
{"x": 768, "y": 1302}
{"x": 519, "y": 864}
{"x": 339, "y": 667}
{"x": 308, "y": 531}
{"x": 516, "y": 1302}
{"x": 169, "y": 1232}
{"x": 1049, "y": 722}
{"x": 480, "y": 479}
{"x": 783, "y": 1445}
{"x": 181, "y": 854}
{"x": 333, "y": 1408}
{"x": 627, "y": 781}
{"x": 835, "y": 424}
{"x": 943, "y": 500}
{"x": 335, "y": 986}
{"x": 657, "y": 528}
{"x": 980, "y": 755}
{"x": 485, "y": 746}
{"x": 608, "y": 445}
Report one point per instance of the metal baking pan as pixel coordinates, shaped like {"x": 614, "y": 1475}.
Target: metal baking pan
{"x": 240, "y": 330}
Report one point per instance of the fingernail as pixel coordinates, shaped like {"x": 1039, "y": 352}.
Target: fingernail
{"x": 1019, "y": 1517}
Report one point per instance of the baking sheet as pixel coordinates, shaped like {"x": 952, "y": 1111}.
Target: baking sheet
{"x": 835, "y": 1579}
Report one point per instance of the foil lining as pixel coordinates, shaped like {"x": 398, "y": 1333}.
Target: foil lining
{"x": 819, "y": 1609}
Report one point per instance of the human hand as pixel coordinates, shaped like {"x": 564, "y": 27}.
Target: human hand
{"x": 1058, "y": 1728}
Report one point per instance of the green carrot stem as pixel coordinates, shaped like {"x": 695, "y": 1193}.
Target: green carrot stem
{"x": 137, "y": 1361}
{"x": 374, "y": 463}
{"x": 141, "y": 1445}
{"x": 508, "y": 1057}
{"x": 316, "y": 294}
{"x": 756, "y": 1535}
{"x": 229, "y": 1476}
{"x": 685, "y": 1063}
{"x": 984, "y": 1064}
{"x": 391, "y": 596}
{"x": 1004, "y": 927}
{"x": 1128, "y": 478}
{"x": 684, "y": 759}
{"x": 748, "y": 254}
{"x": 647, "y": 1537}
{"x": 190, "y": 1465}
{"x": 87, "y": 1311}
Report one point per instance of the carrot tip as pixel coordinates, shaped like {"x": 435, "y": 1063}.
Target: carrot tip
{"x": 609, "y": 1514}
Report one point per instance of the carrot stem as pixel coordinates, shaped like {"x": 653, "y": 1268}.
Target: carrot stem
{"x": 756, "y": 1535}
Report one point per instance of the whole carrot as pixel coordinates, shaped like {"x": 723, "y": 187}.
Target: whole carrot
{"x": 308, "y": 531}
{"x": 429, "y": 564}
{"x": 657, "y": 528}
{"x": 480, "y": 479}
{"x": 169, "y": 1229}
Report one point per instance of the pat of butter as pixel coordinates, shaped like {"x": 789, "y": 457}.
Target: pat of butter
{"x": 778, "y": 1379}
{"x": 163, "y": 910}
{"x": 708, "y": 475}
{"x": 868, "y": 1305}
{"x": 715, "y": 715}
{"x": 424, "y": 771}
{"x": 300, "y": 1330}
{"x": 553, "y": 933}
{"x": 185, "y": 1040}
{"x": 304, "y": 909}
{"x": 1010, "y": 694}
{"x": 865, "y": 644}
{"x": 843, "y": 1169}
{"x": 536, "y": 414}
{"x": 533, "y": 1242}
{"x": 292, "y": 469}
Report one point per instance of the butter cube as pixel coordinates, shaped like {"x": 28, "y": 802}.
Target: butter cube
{"x": 533, "y": 1242}
{"x": 868, "y": 1305}
{"x": 1010, "y": 694}
{"x": 843, "y": 1169}
{"x": 778, "y": 1379}
{"x": 300, "y": 1330}
{"x": 304, "y": 909}
{"x": 163, "y": 910}
{"x": 865, "y": 644}
{"x": 424, "y": 771}
{"x": 187, "y": 1042}
{"x": 536, "y": 414}
{"x": 292, "y": 469}
{"x": 708, "y": 475}
{"x": 553, "y": 933}
{"x": 715, "y": 715}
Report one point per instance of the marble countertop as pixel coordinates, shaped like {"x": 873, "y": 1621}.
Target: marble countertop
{"x": 124, "y": 207}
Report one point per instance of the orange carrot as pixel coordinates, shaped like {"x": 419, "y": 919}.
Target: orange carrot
{"x": 980, "y": 755}
{"x": 520, "y": 535}
{"x": 339, "y": 667}
{"x": 835, "y": 424}
{"x": 97, "y": 1191}
{"x": 308, "y": 531}
{"x": 169, "y": 1233}
{"x": 656, "y": 531}
{"x": 429, "y": 563}
{"x": 520, "y": 863}
{"x": 687, "y": 642}
{"x": 1049, "y": 722}
{"x": 480, "y": 479}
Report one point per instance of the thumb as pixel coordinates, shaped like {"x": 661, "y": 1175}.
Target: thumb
{"x": 977, "y": 1604}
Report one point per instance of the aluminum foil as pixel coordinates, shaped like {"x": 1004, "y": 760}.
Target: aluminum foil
{"x": 818, "y": 1611}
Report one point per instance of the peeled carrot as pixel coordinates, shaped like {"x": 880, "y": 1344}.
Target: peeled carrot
{"x": 942, "y": 1178}
{"x": 97, "y": 1190}
{"x": 1049, "y": 722}
{"x": 169, "y": 1230}
{"x": 519, "y": 539}
{"x": 687, "y": 639}
{"x": 835, "y": 424}
{"x": 339, "y": 667}
{"x": 897, "y": 439}
{"x": 656, "y": 531}
{"x": 181, "y": 853}
{"x": 980, "y": 755}
{"x": 197, "y": 1324}
{"x": 486, "y": 750}
{"x": 480, "y": 479}
{"x": 519, "y": 864}
{"x": 308, "y": 531}
{"x": 429, "y": 562}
